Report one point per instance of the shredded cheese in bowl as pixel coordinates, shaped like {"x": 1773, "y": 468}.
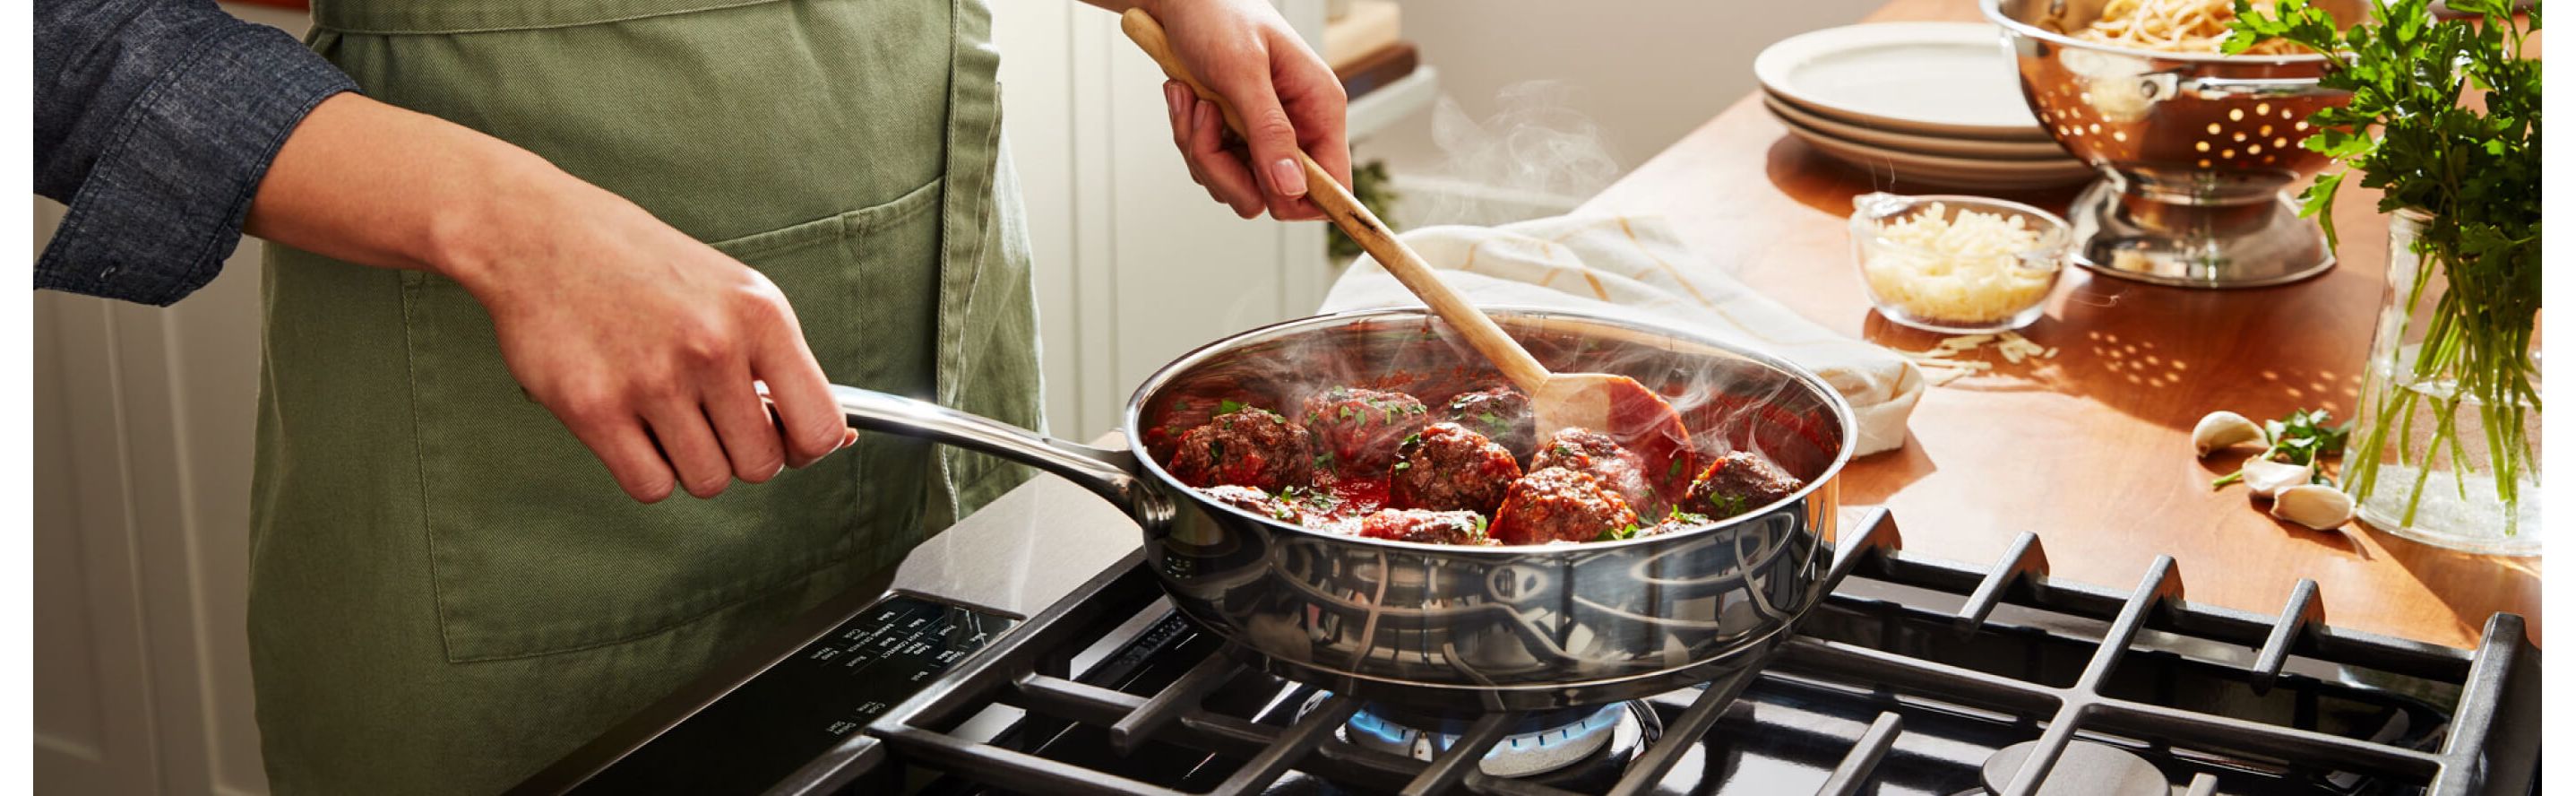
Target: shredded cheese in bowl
{"x": 1957, "y": 264}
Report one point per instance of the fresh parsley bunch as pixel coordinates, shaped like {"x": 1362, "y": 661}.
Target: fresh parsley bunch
{"x": 2472, "y": 168}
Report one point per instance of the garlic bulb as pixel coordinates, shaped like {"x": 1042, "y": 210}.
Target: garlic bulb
{"x": 2314, "y": 505}
{"x": 2221, "y": 429}
{"x": 2268, "y": 478}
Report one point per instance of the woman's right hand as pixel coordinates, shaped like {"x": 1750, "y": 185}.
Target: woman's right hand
{"x": 642, "y": 340}
{"x": 633, "y": 333}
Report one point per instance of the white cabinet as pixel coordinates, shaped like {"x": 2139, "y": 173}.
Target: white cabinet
{"x": 142, "y": 551}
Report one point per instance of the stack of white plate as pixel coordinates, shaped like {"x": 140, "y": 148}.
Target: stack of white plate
{"x": 1926, "y": 103}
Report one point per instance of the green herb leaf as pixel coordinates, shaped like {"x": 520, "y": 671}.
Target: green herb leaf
{"x": 1228, "y": 406}
{"x": 2300, "y": 437}
{"x": 1628, "y": 531}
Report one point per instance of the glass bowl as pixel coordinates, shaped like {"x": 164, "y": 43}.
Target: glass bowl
{"x": 1972, "y": 286}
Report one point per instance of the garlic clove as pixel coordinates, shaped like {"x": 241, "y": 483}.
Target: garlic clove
{"x": 2269, "y": 478}
{"x": 2222, "y": 429}
{"x": 2314, "y": 505}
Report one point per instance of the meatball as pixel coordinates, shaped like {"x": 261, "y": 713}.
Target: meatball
{"x": 1739, "y": 482}
{"x": 1359, "y": 428}
{"x": 1255, "y": 501}
{"x": 1448, "y": 467}
{"x": 1502, "y": 414}
{"x": 1557, "y": 504}
{"x": 1588, "y": 451}
{"x": 1246, "y": 447}
{"x": 1433, "y": 527}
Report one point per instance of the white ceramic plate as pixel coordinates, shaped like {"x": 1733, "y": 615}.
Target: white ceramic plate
{"x": 1914, "y": 142}
{"x": 1970, "y": 173}
{"x": 1951, "y": 79}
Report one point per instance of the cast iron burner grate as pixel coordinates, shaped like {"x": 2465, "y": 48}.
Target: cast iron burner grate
{"x": 1915, "y": 676}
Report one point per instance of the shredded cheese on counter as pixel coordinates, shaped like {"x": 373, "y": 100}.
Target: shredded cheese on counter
{"x": 1962, "y": 269}
{"x": 1940, "y": 365}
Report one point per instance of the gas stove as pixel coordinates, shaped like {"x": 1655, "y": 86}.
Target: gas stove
{"x": 1916, "y": 676}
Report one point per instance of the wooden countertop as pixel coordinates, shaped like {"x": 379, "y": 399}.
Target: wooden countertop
{"x": 2091, "y": 449}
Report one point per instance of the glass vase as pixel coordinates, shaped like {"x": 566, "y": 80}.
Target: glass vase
{"x": 2427, "y": 459}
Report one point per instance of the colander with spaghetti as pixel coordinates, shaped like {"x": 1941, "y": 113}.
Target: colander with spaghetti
{"x": 2195, "y": 147}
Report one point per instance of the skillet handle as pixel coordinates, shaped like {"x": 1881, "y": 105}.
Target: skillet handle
{"x": 1110, "y": 474}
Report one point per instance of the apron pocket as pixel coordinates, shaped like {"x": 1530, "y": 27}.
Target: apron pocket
{"x": 533, "y": 548}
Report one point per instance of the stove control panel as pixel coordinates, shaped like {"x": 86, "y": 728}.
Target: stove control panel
{"x": 804, "y": 705}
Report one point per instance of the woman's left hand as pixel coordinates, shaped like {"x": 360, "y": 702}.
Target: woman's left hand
{"x": 1287, "y": 97}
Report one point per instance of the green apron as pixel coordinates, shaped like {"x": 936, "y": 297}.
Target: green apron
{"x": 448, "y": 591}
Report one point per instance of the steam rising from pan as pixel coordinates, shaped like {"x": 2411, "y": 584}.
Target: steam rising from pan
{"x": 1534, "y": 156}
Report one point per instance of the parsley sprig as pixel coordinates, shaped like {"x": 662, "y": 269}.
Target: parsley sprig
{"x": 2475, "y": 173}
{"x": 2300, "y": 438}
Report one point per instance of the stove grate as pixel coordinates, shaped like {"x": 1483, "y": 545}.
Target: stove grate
{"x": 2498, "y": 682}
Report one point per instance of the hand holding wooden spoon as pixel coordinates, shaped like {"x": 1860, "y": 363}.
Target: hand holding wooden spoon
{"x": 1610, "y": 403}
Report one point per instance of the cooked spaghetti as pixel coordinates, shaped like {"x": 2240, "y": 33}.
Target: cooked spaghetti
{"x": 2182, "y": 26}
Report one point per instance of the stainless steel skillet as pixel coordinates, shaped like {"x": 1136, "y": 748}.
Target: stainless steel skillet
{"x": 1441, "y": 627}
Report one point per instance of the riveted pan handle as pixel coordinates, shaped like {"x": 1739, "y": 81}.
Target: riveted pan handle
{"x": 1111, "y": 474}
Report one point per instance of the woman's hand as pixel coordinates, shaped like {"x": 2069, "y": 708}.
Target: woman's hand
{"x": 1287, "y": 97}
{"x": 643, "y": 341}
{"x": 633, "y": 334}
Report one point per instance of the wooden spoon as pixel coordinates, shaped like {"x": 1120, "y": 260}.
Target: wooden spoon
{"x": 1636, "y": 417}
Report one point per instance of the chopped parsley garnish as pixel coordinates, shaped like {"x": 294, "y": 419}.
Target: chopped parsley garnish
{"x": 1628, "y": 531}
{"x": 1228, "y": 406}
{"x": 1727, "y": 505}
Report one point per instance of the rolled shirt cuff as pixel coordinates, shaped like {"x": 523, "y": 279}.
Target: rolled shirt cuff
{"x": 164, "y": 204}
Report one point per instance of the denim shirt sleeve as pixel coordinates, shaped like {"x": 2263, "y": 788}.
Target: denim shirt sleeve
{"x": 155, "y": 120}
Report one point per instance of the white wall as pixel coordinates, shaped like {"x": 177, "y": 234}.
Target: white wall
{"x": 1644, "y": 72}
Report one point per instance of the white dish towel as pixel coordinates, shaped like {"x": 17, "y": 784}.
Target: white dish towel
{"x": 1628, "y": 267}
